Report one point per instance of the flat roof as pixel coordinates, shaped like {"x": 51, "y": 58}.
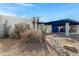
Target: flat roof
{"x": 61, "y": 22}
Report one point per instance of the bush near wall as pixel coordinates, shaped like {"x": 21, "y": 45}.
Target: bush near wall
{"x": 20, "y": 27}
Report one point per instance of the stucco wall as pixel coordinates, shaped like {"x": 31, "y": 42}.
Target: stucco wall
{"x": 12, "y": 21}
{"x": 49, "y": 29}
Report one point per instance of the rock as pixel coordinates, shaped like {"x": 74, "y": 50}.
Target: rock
{"x": 70, "y": 40}
{"x": 56, "y": 46}
{"x": 70, "y": 48}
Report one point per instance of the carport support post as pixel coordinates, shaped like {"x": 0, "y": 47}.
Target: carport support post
{"x": 67, "y": 29}
{"x": 77, "y": 29}
{"x": 36, "y": 24}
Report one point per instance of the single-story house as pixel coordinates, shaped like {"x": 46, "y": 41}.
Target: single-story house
{"x": 64, "y": 26}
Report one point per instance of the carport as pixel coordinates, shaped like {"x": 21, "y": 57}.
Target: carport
{"x": 64, "y": 22}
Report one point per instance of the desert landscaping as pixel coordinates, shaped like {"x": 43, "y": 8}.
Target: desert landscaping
{"x": 23, "y": 40}
{"x": 17, "y": 47}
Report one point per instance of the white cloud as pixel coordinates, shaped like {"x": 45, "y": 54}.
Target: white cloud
{"x": 26, "y": 4}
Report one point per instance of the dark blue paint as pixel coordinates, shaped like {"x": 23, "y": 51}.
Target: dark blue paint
{"x": 54, "y": 28}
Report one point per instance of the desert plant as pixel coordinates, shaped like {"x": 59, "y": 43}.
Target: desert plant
{"x": 6, "y": 29}
{"x": 14, "y": 35}
{"x": 33, "y": 22}
{"x": 32, "y": 35}
{"x": 20, "y": 27}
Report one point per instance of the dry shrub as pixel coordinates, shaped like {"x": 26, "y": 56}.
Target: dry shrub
{"x": 20, "y": 27}
{"x": 32, "y": 35}
{"x": 14, "y": 35}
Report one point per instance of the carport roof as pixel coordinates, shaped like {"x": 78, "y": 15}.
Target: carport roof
{"x": 61, "y": 22}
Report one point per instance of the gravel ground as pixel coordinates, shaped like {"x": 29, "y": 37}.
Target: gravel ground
{"x": 11, "y": 47}
{"x": 62, "y": 40}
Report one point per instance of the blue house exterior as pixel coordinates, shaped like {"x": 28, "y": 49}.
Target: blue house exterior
{"x": 56, "y": 24}
{"x": 54, "y": 28}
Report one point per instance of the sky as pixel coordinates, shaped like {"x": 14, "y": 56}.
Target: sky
{"x": 45, "y": 11}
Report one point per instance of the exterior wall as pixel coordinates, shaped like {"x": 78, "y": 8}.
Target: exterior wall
{"x": 1, "y": 25}
{"x": 12, "y": 21}
{"x": 40, "y": 26}
{"x": 49, "y": 29}
{"x": 55, "y": 28}
{"x": 1, "y": 29}
{"x": 43, "y": 27}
